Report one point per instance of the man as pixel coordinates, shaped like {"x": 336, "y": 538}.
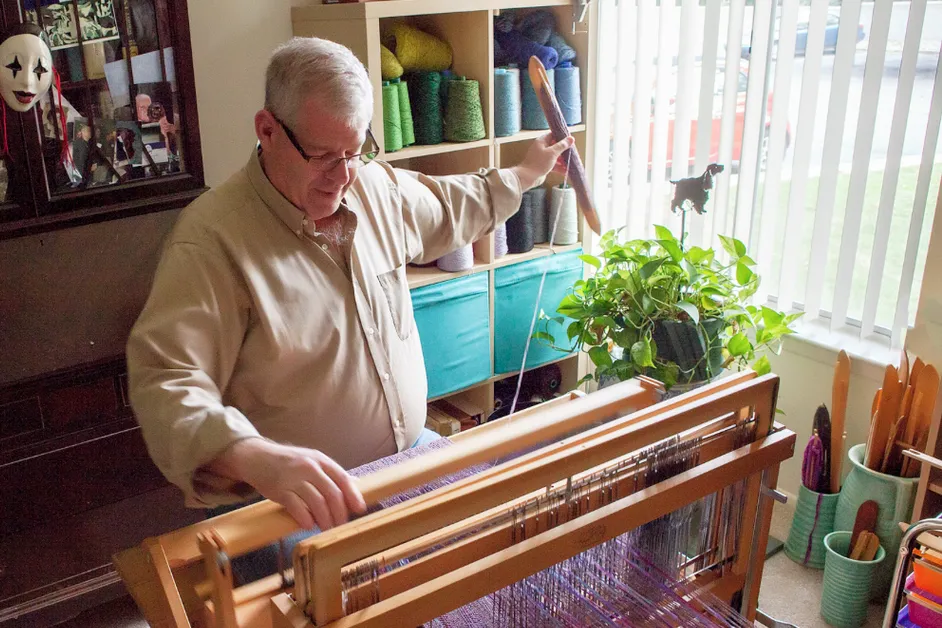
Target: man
{"x": 278, "y": 345}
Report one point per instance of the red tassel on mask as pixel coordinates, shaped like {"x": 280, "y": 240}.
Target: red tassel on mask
{"x": 66, "y": 148}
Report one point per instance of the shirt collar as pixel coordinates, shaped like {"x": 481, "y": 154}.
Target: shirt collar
{"x": 289, "y": 214}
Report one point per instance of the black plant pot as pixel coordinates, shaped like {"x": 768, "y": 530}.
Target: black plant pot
{"x": 697, "y": 350}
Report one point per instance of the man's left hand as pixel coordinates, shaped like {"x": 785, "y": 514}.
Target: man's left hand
{"x": 543, "y": 157}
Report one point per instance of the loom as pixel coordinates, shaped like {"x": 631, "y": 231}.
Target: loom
{"x": 613, "y": 508}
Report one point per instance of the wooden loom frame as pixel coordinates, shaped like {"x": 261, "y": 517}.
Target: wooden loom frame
{"x": 170, "y": 585}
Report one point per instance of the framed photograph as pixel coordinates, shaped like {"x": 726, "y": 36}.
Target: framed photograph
{"x": 153, "y": 103}
{"x": 96, "y": 19}
{"x": 129, "y": 150}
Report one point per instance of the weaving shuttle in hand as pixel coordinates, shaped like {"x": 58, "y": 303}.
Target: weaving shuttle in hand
{"x": 554, "y": 115}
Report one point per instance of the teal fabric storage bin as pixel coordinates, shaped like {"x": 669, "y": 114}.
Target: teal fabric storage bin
{"x": 515, "y": 290}
{"x": 453, "y": 322}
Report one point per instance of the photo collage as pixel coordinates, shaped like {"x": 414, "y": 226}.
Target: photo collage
{"x": 116, "y": 117}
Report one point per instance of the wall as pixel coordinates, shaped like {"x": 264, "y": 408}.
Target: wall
{"x": 71, "y": 296}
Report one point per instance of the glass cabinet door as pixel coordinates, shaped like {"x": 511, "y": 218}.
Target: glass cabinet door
{"x": 118, "y": 130}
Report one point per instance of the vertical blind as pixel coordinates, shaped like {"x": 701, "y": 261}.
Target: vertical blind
{"x": 826, "y": 115}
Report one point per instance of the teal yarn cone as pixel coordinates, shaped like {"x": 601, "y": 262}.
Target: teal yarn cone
{"x": 847, "y": 582}
{"x": 507, "y": 112}
{"x": 464, "y": 117}
{"x": 569, "y": 93}
{"x": 405, "y": 113}
{"x": 533, "y": 118}
{"x": 814, "y": 519}
{"x": 392, "y": 123}
{"x": 425, "y": 98}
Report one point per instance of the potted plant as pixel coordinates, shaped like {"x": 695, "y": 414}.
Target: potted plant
{"x": 680, "y": 315}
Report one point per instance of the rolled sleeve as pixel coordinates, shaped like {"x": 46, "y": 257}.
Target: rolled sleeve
{"x": 442, "y": 214}
{"x": 181, "y": 354}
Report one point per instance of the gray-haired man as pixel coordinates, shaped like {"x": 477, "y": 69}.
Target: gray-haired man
{"x": 278, "y": 345}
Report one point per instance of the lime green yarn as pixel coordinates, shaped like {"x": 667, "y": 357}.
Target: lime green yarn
{"x": 392, "y": 121}
{"x": 405, "y": 113}
{"x": 389, "y": 64}
{"x": 417, "y": 50}
{"x": 464, "y": 117}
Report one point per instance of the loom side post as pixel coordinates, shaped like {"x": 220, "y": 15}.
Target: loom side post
{"x": 219, "y": 571}
{"x": 760, "y": 538}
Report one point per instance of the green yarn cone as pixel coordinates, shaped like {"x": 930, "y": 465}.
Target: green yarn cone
{"x": 392, "y": 123}
{"x": 405, "y": 113}
{"x": 425, "y": 97}
{"x": 464, "y": 117}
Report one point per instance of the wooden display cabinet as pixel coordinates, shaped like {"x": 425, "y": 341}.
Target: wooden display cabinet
{"x": 121, "y": 136}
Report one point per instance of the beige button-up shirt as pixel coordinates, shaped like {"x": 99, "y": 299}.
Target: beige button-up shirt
{"x": 252, "y": 328}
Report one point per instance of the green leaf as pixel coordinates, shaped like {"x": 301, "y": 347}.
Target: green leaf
{"x": 663, "y": 233}
{"x": 641, "y": 354}
{"x": 745, "y": 259}
{"x": 743, "y": 274}
{"x": 650, "y": 268}
{"x": 672, "y": 248}
{"x": 762, "y": 366}
{"x": 691, "y": 311}
{"x": 771, "y": 318}
{"x": 574, "y": 329}
{"x": 697, "y": 255}
{"x": 734, "y": 247}
{"x": 648, "y": 304}
{"x": 600, "y": 356}
{"x": 542, "y": 335}
{"x": 591, "y": 260}
{"x": 739, "y": 345}
{"x": 585, "y": 378}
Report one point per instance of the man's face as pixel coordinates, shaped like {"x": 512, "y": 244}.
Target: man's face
{"x": 25, "y": 71}
{"x": 325, "y": 138}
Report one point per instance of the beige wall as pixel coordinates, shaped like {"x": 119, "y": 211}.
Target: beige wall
{"x": 232, "y": 40}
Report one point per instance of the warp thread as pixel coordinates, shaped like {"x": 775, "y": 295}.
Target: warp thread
{"x": 533, "y": 116}
{"x": 464, "y": 116}
{"x": 518, "y": 49}
{"x": 392, "y": 122}
{"x": 500, "y": 240}
{"x": 405, "y": 113}
{"x": 425, "y": 97}
{"x": 418, "y": 50}
{"x": 520, "y": 227}
{"x": 507, "y": 107}
{"x": 538, "y": 209}
{"x": 389, "y": 64}
{"x": 568, "y": 92}
{"x": 563, "y": 205}
{"x": 456, "y": 261}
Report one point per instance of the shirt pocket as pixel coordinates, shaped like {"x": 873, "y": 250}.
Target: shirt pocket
{"x": 396, "y": 288}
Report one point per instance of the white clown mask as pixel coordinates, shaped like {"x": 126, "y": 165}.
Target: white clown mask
{"x": 25, "y": 67}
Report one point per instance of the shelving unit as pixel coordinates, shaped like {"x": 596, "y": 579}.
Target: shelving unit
{"x": 470, "y": 32}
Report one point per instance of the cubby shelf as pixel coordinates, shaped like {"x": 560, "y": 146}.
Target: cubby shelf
{"x": 424, "y": 150}
{"x": 468, "y": 28}
{"x": 532, "y": 135}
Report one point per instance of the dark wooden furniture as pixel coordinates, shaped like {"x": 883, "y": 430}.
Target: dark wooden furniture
{"x": 126, "y": 74}
{"x": 76, "y": 482}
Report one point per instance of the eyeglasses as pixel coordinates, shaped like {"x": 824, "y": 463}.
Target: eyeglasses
{"x": 368, "y": 152}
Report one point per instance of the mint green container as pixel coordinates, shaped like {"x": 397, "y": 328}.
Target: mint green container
{"x": 814, "y": 519}
{"x": 894, "y": 496}
{"x": 846, "y": 591}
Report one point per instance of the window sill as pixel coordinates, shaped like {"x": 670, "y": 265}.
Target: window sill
{"x": 869, "y": 356}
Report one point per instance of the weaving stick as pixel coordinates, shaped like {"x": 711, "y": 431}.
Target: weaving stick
{"x": 554, "y": 115}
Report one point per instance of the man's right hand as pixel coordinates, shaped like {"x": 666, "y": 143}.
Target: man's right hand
{"x": 313, "y": 488}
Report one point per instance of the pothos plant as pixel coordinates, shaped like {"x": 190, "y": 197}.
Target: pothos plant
{"x": 649, "y": 298}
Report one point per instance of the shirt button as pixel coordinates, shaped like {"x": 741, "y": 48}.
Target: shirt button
{"x": 370, "y": 331}
{"x": 298, "y": 232}
{"x": 323, "y": 247}
{"x": 386, "y": 376}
